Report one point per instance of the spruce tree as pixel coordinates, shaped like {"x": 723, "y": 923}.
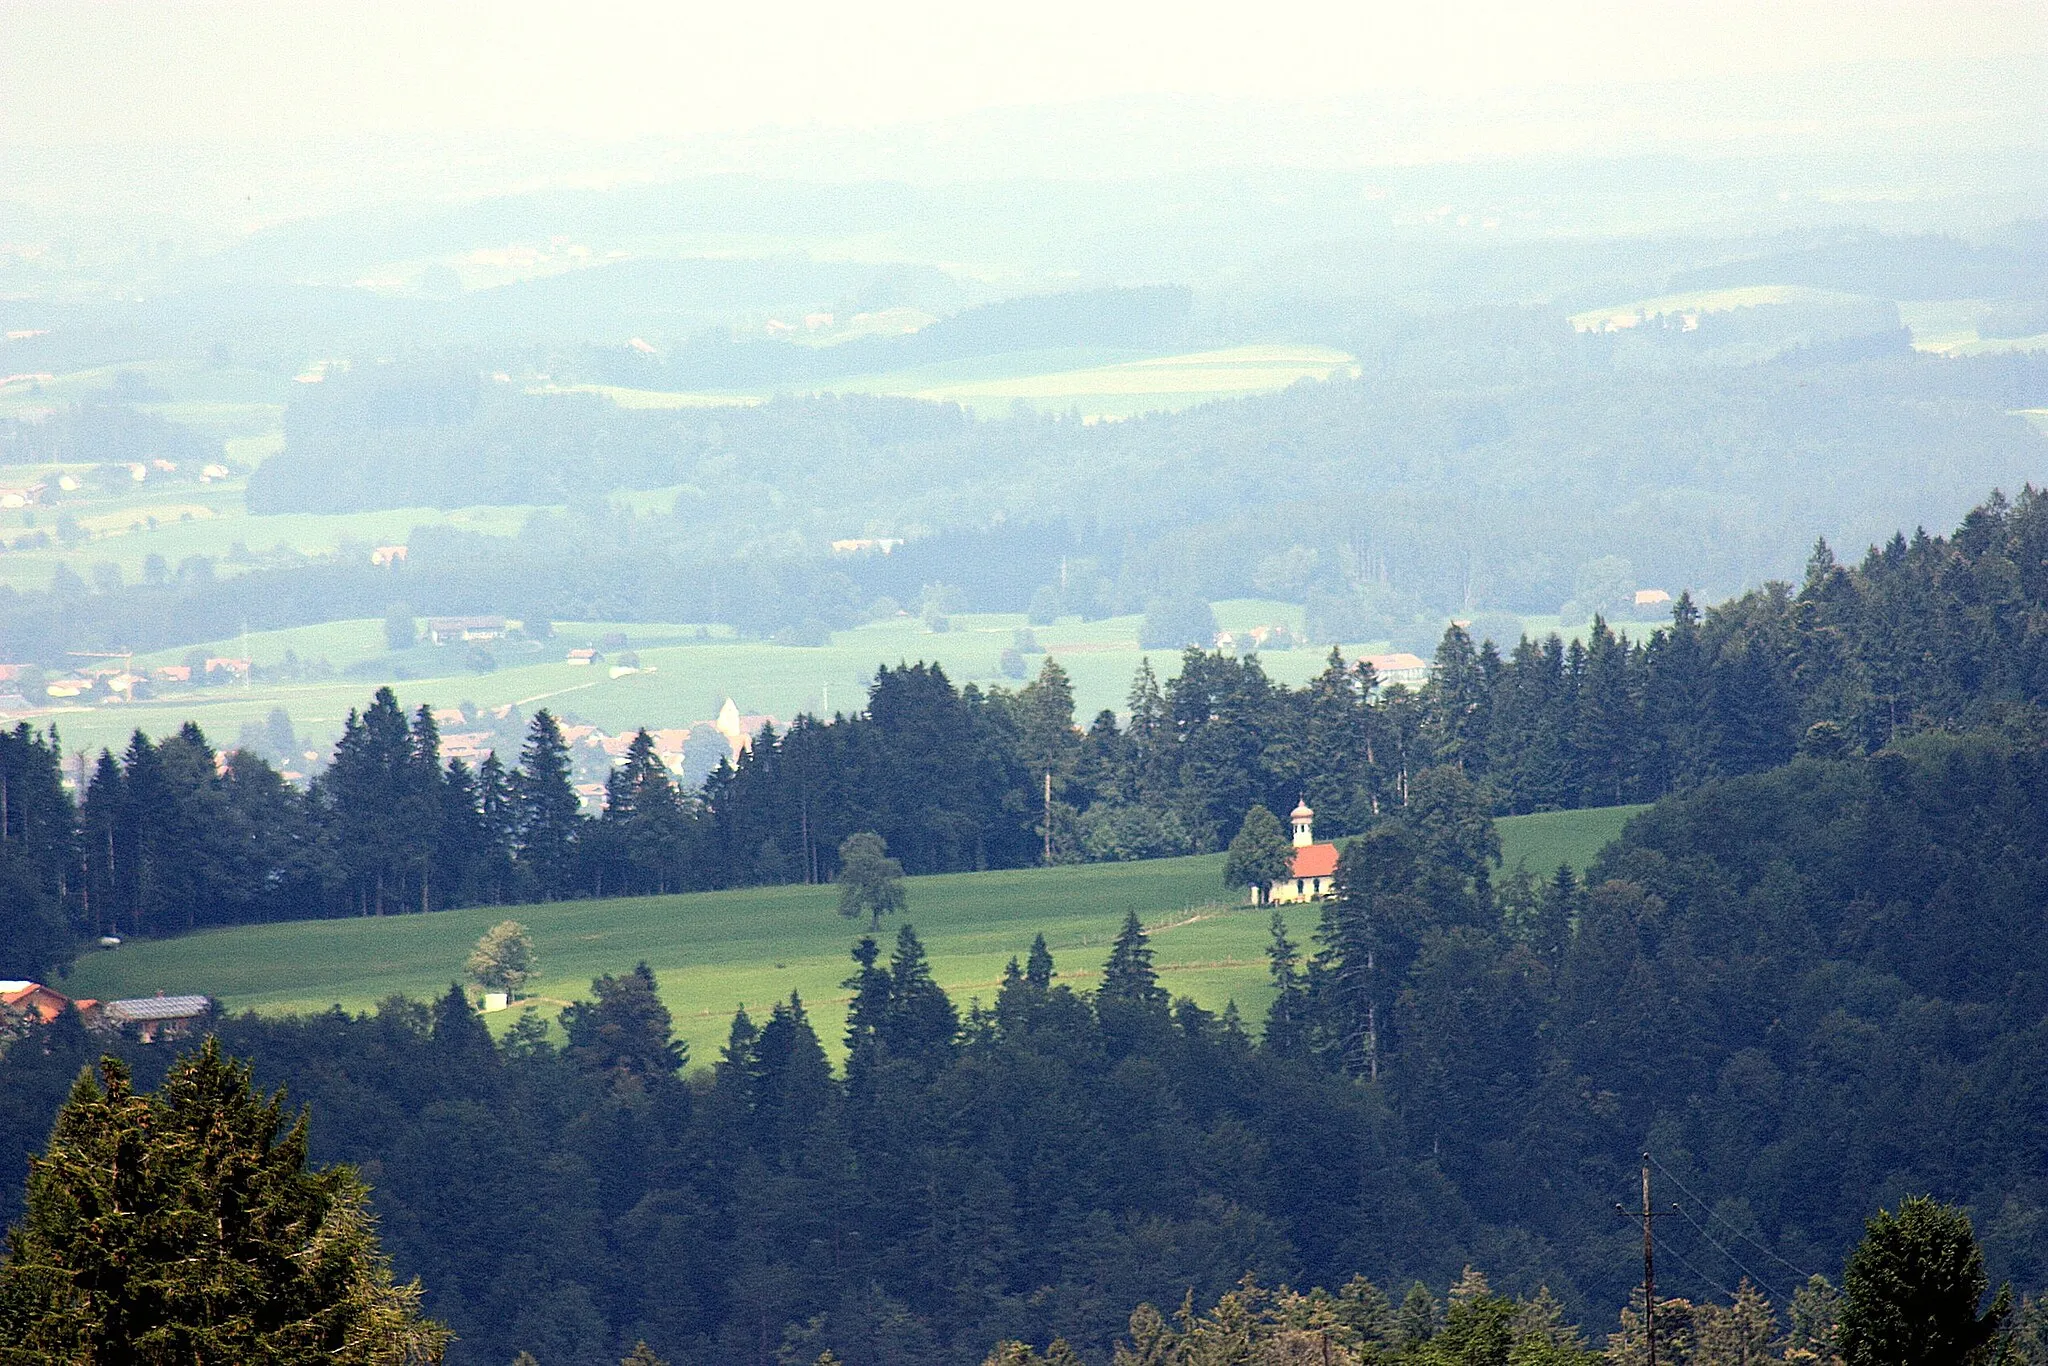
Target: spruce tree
{"x": 548, "y": 811}
{"x": 1038, "y": 966}
{"x": 186, "y": 1226}
{"x": 627, "y": 1031}
{"x": 1287, "y": 1017}
{"x": 921, "y": 1022}
{"x": 867, "y": 1015}
{"x": 1128, "y": 975}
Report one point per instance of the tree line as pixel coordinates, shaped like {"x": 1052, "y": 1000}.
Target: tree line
{"x": 1922, "y": 635}
{"x": 1802, "y": 991}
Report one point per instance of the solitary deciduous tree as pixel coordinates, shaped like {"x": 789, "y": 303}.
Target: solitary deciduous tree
{"x": 186, "y": 1226}
{"x": 869, "y": 880}
{"x": 503, "y": 959}
{"x": 1911, "y": 1288}
{"x": 1260, "y": 855}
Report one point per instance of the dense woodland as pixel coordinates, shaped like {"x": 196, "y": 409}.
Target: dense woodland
{"x": 1804, "y": 991}
{"x": 1459, "y": 471}
{"x": 1927, "y": 634}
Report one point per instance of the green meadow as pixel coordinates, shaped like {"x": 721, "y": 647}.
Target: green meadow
{"x": 716, "y": 951}
{"x": 1098, "y": 383}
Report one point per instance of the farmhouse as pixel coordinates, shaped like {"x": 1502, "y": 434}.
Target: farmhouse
{"x": 1400, "y": 667}
{"x": 442, "y": 630}
{"x": 1312, "y": 872}
{"x": 157, "y": 1017}
{"x": 32, "y": 998}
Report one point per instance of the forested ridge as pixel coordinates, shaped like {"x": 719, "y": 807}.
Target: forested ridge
{"x": 1482, "y": 458}
{"x": 1804, "y": 992}
{"x": 1925, "y": 634}
{"x": 1807, "y": 981}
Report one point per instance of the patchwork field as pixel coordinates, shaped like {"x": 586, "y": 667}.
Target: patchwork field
{"x": 715, "y": 951}
{"x": 683, "y": 677}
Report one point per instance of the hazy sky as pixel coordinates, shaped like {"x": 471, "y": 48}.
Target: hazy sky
{"x": 161, "y": 70}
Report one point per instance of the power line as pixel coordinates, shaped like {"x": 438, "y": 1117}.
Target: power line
{"x": 1702, "y": 1231}
{"x": 1687, "y": 1263}
{"x": 1740, "y": 1232}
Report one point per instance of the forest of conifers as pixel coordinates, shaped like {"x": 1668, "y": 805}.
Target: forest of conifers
{"x": 1808, "y": 981}
{"x": 1806, "y": 992}
{"x": 1931, "y": 633}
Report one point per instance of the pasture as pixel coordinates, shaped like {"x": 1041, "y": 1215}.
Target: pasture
{"x": 1098, "y": 383}
{"x": 716, "y": 951}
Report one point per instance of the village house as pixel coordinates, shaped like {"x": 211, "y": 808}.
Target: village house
{"x": 584, "y": 656}
{"x": 32, "y": 998}
{"x": 442, "y": 630}
{"x": 1399, "y": 667}
{"x": 157, "y": 1017}
{"x": 1312, "y": 871}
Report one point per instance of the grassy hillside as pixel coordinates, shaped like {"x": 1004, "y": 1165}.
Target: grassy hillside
{"x": 715, "y": 951}
{"x": 1548, "y": 838}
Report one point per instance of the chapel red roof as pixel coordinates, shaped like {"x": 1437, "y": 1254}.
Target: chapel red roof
{"x": 1315, "y": 860}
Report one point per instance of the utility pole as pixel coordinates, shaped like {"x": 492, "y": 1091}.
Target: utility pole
{"x": 1648, "y": 1216}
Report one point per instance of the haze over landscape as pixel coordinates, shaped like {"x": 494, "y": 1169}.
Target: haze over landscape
{"x": 911, "y": 685}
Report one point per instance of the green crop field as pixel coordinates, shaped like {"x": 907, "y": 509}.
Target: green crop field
{"x": 1096, "y": 382}
{"x": 715, "y": 951}
{"x": 1113, "y": 387}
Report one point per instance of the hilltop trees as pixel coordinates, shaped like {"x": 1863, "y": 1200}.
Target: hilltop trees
{"x": 171, "y": 836}
{"x": 186, "y": 1225}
